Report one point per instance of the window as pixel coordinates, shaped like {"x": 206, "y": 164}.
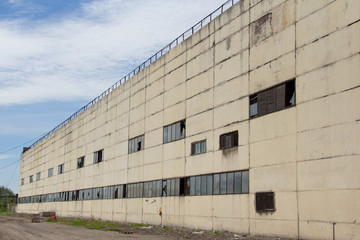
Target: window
{"x": 273, "y": 99}
{"x": 136, "y": 144}
{"x": 37, "y": 176}
{"x": 61, "y": 169}
{"x": 31, "y": 179}
{"x": 198, "y": 147}
{"x": 22, "y": 181}
{"x": 228, "y": 140}
{"x": 98, "y": 156}
{"x": 265, "y": 202}
{"x": 174, "y": 131}
{"x": 50, "y": 172}
{"x": 80, "y": 162}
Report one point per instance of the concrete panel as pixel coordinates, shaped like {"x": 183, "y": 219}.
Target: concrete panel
{"x": 315, "y": 230}
{"x": 199, "y": 123}
{"x": 330, "y": 141}
{"x": 334, "y": 173}
{"x": 278, "y": 228}
{"x": 273, "y": 47}
{"x": 200, "y": 103}
{"x": 199, "y": 64}
{"x": 225, "y": 114}
{"x": 328, "y": 19}
{"x": 261, "y": 128}
{"x": 330, "y": 206}
{"x": 346, "y": 39}
{"x": 174, "y": 95}
{"x": 174, "y": 113}
{"x": 231, "y": 90}
{"x": 326, "y": 81}
{"x": 306, "y": 7}
{"x": 199, "y": 83}
{"x": 273, "y": 151}
{"x": 231, "y": 68}
{"x": 273, "y": 73}
{"x": 331, "y": 110}
{"x": 275, "y": 178}
{"x": 175, "y": 77}
{"x": 232, "y": 45}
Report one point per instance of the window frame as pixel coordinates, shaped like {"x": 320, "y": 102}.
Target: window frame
{"x": 80, "y": 162}
{"x": 61, "y": 169}
{"x": 96, "y": 156}
{"x": 194, "y": 145}
{"x": 133, "y": 144}
{"x": 234, "y": 138}
{"x": 273, "y": 99}
{"x": 38, "y": 176}
{"x": 52, "y": 172}
{"x": 178, "y": 129}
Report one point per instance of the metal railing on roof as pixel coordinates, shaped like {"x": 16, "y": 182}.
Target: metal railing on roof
{"x": 228, "y": 4}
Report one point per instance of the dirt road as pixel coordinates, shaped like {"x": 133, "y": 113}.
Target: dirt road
{"x": 18, "y": 228}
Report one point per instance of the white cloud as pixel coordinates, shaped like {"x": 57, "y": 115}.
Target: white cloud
{"x": 82, "y": 54}
{"x": 3, "y": 157}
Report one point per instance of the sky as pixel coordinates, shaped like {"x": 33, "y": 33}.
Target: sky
{"x": 57, "y": 55}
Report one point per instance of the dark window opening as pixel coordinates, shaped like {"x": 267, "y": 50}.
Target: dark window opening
{"x": 265, "y": 202}
{"x": 98, "y": 156}
{"x": 228, "y": 140}
{"x": 80, "y": 162}
{"x": 175, "y": 131}
{"x": 38, "y": 176}
{"x": 124, "y": 191}
{"x": 61, "y": 169}
{"x": 136, "y": 144}
{"x": 273, "y": 99}
{"x": 31, "y": 179}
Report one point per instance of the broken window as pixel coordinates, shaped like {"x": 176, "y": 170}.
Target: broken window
{"x": 164, "y": 188}
{"x": 99, "y": 156}
{"x": 198, "y": 147}
{"x": 273, "y": 99}
{"x": 61, "y": 169}
{"x": 228, "y": 140}
{"x": 80, "y": 162}
{"x": 174, "y": 131}
{"x": 38, "y": 176}
{"x": 265, "y": 202}
{"x": 22, "y": 181}
{"x": 136, "y": 144}
{"x": 50, "y": 172}
{"x": 31, "y": 179}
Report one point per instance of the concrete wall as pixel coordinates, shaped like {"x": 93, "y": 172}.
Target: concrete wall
{"x": 308, "y": 154}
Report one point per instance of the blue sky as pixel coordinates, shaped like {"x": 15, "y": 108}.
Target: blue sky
{"x": 57, "y": 55}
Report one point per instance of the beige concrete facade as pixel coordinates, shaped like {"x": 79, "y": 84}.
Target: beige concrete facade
{"x": 307, "y": 154}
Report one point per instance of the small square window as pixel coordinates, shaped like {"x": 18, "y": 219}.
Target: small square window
{"x": 98, "y": 156}
{"x": 61, "y": 169}
{"x": 265, "y": 202}
{"x": 198, "y": 147}
{"x": 80, "y": 162}
{"x": 228, "y": 140}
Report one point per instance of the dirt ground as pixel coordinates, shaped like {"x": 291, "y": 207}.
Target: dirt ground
{"x": 20, "y": 227}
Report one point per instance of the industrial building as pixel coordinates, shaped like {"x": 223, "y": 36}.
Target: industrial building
{"x": 248, "y": 122}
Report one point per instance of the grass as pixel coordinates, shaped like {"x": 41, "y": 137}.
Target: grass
{"x": 88, "y": 223}
{"x": 8, "y": 213}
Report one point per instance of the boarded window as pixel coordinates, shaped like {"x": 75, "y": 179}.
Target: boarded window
{"x": 136, "y": 144}
{"x": 98, "y": 156}
{"x": 273, "y": 99}
{"x": 228, "y": 140}
{"x": 174, "y": 132}
{"x": 265, "y": 202}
